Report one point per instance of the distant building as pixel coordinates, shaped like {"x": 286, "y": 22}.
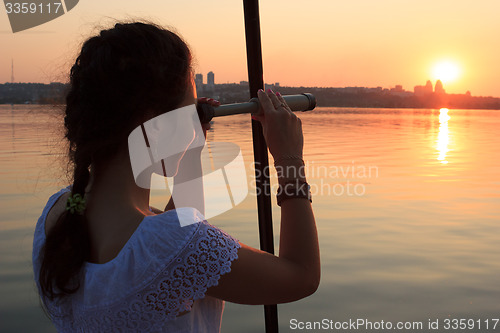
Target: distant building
{"x": 428, "y": 86}
{"x": 211, "y": 79}
{"x": 271, "y": 85}
{"x": 353, "y": 90}
{"x": 438, "y": 88}
{"x": 198, "y": 79}
{"x": 374, "y": 90}
{"x": 399, "y": 91}
{"x": 423, "y": 90}
{"x": 419, "y": 90}
{"x": 397, "y": 88}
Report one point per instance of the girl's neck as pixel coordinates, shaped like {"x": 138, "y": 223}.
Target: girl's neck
{"x": 112, "y": 185}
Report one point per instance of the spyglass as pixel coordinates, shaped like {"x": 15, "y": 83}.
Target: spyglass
{"x": 299, "y": 102}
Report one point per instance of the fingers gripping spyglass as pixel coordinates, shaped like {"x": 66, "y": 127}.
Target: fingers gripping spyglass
{"x": 169, "y": 151}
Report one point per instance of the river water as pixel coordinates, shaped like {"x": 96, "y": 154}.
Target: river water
{"x": 407, "y": 204}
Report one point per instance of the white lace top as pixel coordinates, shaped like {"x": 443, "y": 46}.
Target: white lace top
{"x": 163, "y": 270}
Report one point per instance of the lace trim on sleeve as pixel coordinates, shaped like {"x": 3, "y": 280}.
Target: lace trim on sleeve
{"x": 198, "y": 266}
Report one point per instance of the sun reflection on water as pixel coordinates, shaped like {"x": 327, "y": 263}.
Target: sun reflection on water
{"x": 443, "y": 137}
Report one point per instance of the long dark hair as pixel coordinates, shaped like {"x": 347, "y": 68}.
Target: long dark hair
{"x": 122, "y": 77}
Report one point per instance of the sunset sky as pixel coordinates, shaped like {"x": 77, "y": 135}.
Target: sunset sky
{"x": 305, "y": 43}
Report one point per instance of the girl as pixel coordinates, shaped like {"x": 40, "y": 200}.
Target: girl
{"x": 104, "y": 261}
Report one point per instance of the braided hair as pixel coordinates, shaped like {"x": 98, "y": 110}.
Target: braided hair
{"x": 121, "y": 78}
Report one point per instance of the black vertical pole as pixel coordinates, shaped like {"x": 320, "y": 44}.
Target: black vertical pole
{"x": 256, "y": 82}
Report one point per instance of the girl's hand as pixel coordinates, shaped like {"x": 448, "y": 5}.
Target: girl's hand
{"x": 212, "y": 102}
{"x": 282, "y": 128}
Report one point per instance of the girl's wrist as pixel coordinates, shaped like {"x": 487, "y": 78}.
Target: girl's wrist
{"x": 290, "y": 170}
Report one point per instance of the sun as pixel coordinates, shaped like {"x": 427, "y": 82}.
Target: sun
{"x": 446, "y": 71}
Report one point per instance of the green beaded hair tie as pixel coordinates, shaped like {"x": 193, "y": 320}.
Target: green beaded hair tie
{"x": 76, "y": 203}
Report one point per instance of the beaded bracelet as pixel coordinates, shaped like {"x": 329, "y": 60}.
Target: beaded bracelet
{"x": 288, "y": 157}
{"x": 293, "y": 189}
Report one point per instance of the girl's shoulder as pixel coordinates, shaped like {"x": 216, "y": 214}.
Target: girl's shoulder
{"x": 53, "y": 208}
{"x": 56, "y": 208}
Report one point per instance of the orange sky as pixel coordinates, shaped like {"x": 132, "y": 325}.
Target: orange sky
{"x": 309, "y": 43}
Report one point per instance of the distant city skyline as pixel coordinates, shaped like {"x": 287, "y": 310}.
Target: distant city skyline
{"x": 396, "y": 97}
{"x": 417, "y": 90}
{"x": 397, "y": 88}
